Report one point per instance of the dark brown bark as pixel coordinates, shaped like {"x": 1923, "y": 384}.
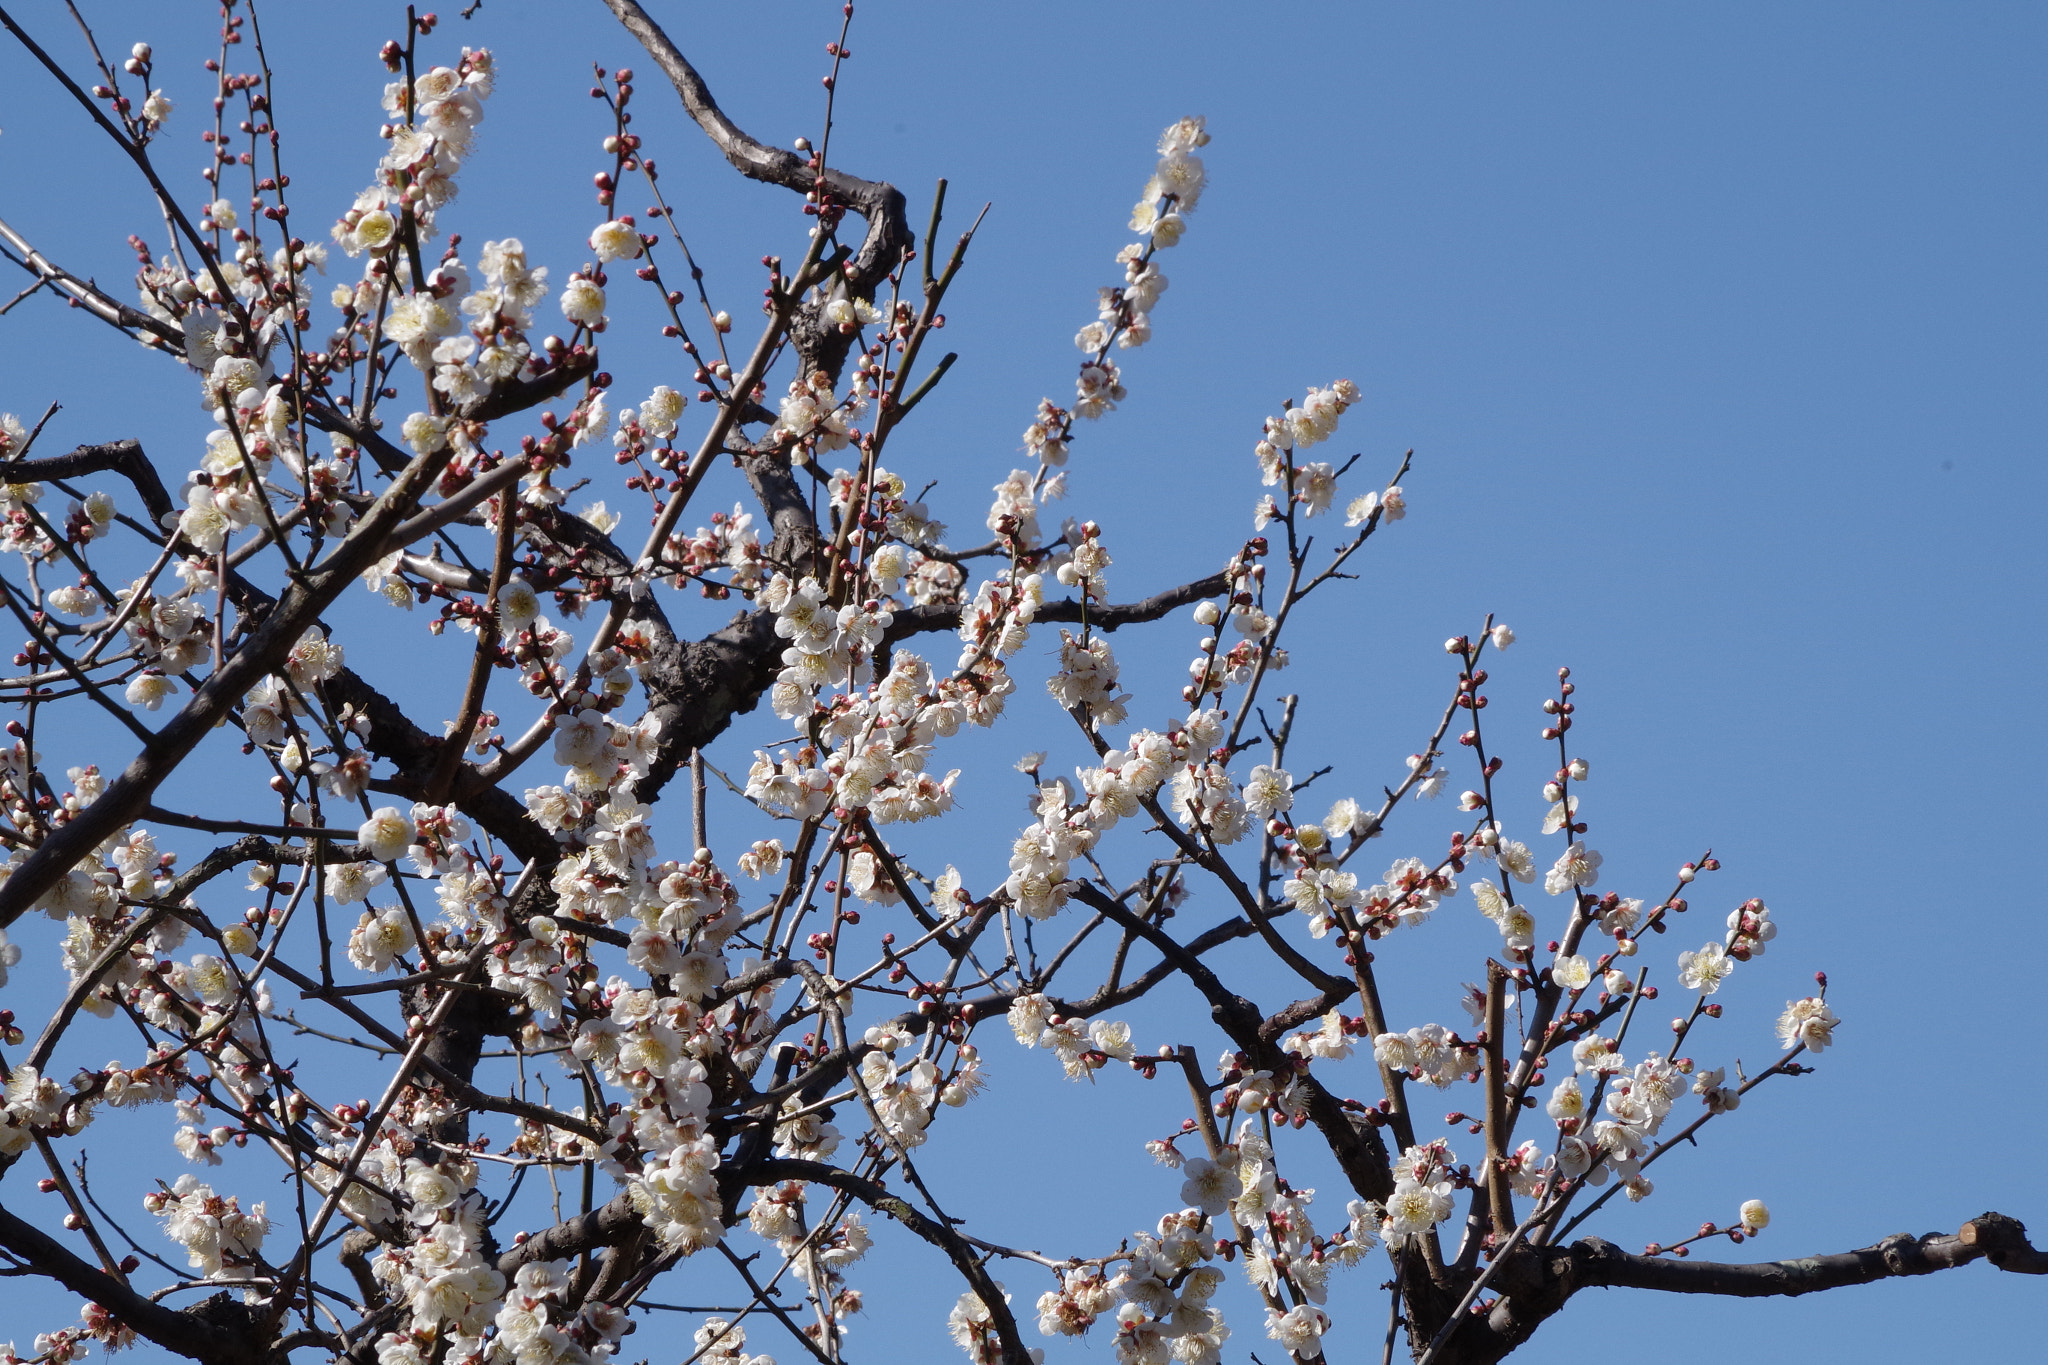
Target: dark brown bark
{"x": 194, "y": 1333}
{"x": 122, "y": 457}
{"x": 1537, "y": 1282}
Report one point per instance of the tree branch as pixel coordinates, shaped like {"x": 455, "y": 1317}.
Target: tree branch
{"x": 880, "y": 203}
{"x": 1991, "y": 1236}
{"x": 123, "y": 457}
{"x": 261, "y": 652}
{"x": 1535, "y": 1282}
{"x": 918, "y": 620}
{"x": 956, "y": 1247}
{"x": 183, "y": 1333}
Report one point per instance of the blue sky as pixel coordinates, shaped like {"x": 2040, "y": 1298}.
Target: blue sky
{"x": 1717, "y": 332}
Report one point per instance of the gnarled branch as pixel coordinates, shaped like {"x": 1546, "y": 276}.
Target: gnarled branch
{"x": 185, "y": 1333}
{"x": 1991, "y": 1236}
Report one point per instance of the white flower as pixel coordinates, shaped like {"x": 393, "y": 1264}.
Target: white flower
{"x": 380, "y": 937}
{"x": 1268, "y": 789}
{"x": 148, "y": 690}
{"x": 1755, "y": 1216}
{"x": 77, "y": 600}
{"x": 581, "y": 739}
{"x": 425, "y": 433}
{"x": 1572, "y": 972}
{"x": 663, "y": 408}
{"x": 556, "y": 808}
{"x": 582, "y": 301}
{"x": 1705, "y": 970}
{"x": 1576, "y": 866}
{"x": 1414, "y": 1207}
{"x": 1209, "y": 1187}
{"x": 1597, "y": 1055}
{"x": 1488, "y": 898}
{"x": 616, "y": 240}
{"x": 386, "y": 834}
{"x": 376, "y": 229}
{"x": 1111, "y": 1038}
{"x": 314, "y": 658}
{"x": 518, "y": 604}
{"x": 1567, "y": 1101}
{"x": 1807, "y": 1021}
{"x": 347, "y": 883}
{"x": 203, "y": 522}
{"x": 1515, "y": 860}
{"x": 208, "y": 979}
{"x": 1028, "y": 1016}
{"x": 1299, "y": 1330}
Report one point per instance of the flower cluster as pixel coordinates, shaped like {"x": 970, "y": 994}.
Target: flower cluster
{"x": 1083, "y": 1046}
{"x": 1124, "y": 312}
{"x": 814, "y": 418}
{"x": 1429, "y": 1053}
{"x": 221, "y": 1240}
{"x": 439, "y": 113}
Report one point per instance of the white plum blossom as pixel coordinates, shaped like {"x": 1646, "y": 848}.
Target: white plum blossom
{"x": 1706, "y": 969}
{"x": 386, "y": 834}
{"x": 1268, "y": 790}
{"x": 583, "y": 302}
{"x": 1572, "y": 972}
{"x": 1577, "y": 866}
{"x": 616, "y": 240}
{"x": 1809, "y": 1022}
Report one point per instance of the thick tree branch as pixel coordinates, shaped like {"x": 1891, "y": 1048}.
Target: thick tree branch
{"x": 1536, "y": 1282}
{"x": 394, "y": 738}
{"x": 122, "y": 457}
{"x": 606, "y": 1225}
{"x": 793, "y": 538}
{"x": 183, "y": 1333}
{"x": 1991, "y": 1236}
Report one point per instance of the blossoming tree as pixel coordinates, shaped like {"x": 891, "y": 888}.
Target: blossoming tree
{"x": 466, "y": 883}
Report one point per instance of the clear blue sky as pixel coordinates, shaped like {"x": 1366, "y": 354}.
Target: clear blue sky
{"x": 1718, "y": 334}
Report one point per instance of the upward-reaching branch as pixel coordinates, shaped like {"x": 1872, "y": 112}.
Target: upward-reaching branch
{"x": 880, "y": 203}
{"x": 889, "y": 235}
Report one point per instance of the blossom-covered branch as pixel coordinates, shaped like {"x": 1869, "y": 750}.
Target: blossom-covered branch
{"x": 606, "y": 1063}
